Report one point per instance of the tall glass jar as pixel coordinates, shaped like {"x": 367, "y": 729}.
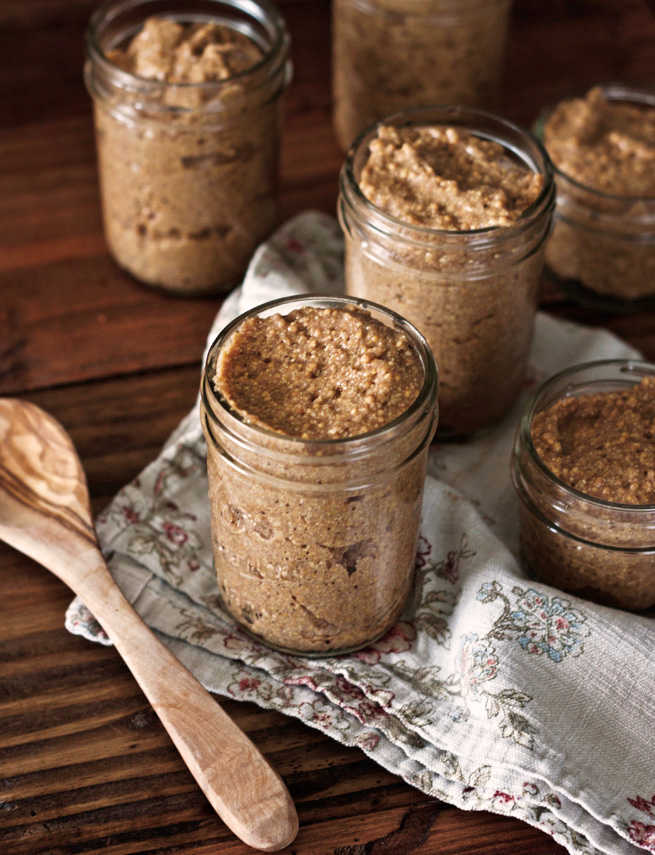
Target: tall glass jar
{"x": 597, "y": 549}
{"x": 388, "y": 55}
{"x": 314, "y": 541}
{"x": 471, "y": 293}
{"x": 188, "y": 171}
{"x": 603, "y": 245}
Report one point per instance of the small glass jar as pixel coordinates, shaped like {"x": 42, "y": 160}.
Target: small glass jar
{"x": 473, "y": 294}
{"x": 188, "y": 171}
{"x": 314, "y": 541}
{"x": 597, "y": 549}
{"x": 391, "y": 54}
{"x": 602, "y": 249}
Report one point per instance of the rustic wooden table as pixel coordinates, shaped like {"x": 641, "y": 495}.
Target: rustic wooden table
{"x": 84, "y": 764}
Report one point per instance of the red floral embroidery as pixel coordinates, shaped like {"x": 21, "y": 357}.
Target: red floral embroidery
{"x": 642, "y": 834}
{"x": 644, "y": 805}
{"x": 175, "y": 534}
{"x": 365, "y": 711}
{"x": 249, "y": 684}
{"x": 399, "y": 639}
{"x": 302, "y": 680}
{"x": 369, "y": 742}
{"x": 159, "y": 483}
{"x": 130, "y": 514}
{"x": 344, "y": 687}
{"x": 423, "y": 550}
{"x": 369, "y": 656}
{"x": 369, "y": 709}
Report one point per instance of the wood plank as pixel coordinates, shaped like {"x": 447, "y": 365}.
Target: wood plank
{"x": 85, "y": 766}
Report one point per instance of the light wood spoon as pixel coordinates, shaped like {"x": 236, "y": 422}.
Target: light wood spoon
{"x": 45, "y": 513}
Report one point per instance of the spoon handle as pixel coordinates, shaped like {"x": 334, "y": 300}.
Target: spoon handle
{"x": 44, "y": 512}
{"x": 243, "y": 789}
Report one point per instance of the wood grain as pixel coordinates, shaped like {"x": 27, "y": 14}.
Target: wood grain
{"x": 85, "y": 766}
{"x": 41, "y": 473}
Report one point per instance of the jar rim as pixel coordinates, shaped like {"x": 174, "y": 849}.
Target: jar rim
{"x": 640, "y": 368}
{"x": 417, "y": 116}
{"x": 613, "y": 92}
{"x": 426, "y": 398}
{"x": 108, "y": 10}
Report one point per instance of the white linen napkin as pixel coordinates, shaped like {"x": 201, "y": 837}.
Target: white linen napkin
{"x": 493, "y": 692}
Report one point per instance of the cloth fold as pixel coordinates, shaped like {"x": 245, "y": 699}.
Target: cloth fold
{"x": 493, "y": 692}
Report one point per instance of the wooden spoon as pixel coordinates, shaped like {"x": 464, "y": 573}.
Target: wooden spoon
{"x": 45, "y": 513}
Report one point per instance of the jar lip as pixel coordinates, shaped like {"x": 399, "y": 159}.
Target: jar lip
{"x": 640, "y": 368}
{"x": 613, "y": 92}
{"x": 417, "y": 116}
{"x": 426, "y": 397}
{"x": 110, "y": 8}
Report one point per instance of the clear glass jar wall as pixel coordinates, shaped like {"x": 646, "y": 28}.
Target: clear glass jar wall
{"x": 603, "y": 242}
{"x": 314, "y": 541}
{"x": 188, "y": 171}
{"x": 471, "y": 293}
{"x": 388, "y": 55}
{"x": 597, "y": 549}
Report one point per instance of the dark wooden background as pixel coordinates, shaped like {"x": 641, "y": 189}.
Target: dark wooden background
{"x": 85, "y": 766}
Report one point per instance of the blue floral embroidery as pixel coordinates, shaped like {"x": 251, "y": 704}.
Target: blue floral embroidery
{"x": 541, "y": 625}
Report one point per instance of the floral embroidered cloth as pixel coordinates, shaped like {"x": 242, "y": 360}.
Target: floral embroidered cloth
{"x": 493, "y": 692}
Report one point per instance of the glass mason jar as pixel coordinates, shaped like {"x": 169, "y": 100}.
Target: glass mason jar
{"x": 603, "y": 244}
{"x": 473, "y": 294}
{"x": 588, "y": 546}
{"x": 188, "y": 171}
{"x": 391, "y": 54}
{"x": 314, "y": 541}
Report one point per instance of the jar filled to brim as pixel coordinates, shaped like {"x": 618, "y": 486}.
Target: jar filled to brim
{"x": 472, "y": 291}
{"x": 581, "y": 542}
{"x": 602, "y": 249}
{"x": 188, "y": 150}
{"x": 314, "y": 539}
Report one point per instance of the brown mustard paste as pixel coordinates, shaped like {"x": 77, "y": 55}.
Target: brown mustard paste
{"x": 604, "y": 149}
{"x": 314, "y": 543}
{"x": 607, "y": 145}
{"x": 319, "y": 373}
{"x": 445, "y": 178}
{"x": 602, "y": 445}
{"x": 586, "y": 522}
{"x": 188, "y": 181}
{"x": 437, "y": 181}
